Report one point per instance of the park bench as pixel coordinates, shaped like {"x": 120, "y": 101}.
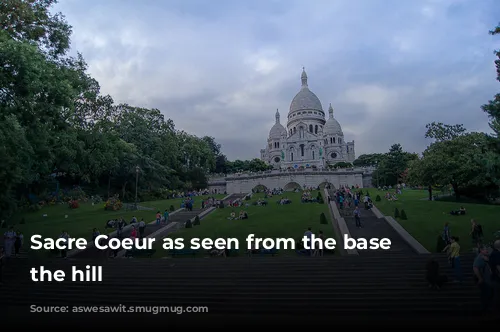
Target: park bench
{"x": 140, "y": 253}
{"x": 182, "y": 252}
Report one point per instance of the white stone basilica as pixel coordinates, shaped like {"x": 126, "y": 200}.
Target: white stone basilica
{"x": 309, "y": 140}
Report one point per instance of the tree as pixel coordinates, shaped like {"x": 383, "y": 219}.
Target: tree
{"x": 458, "y": 162}
{"x": 392, "y": 166}
{"x": 443, "y": 132}
{"x": 56, "y": 126}
{"x": 32, "y": 21}
{"x": 492, "y": 108}
{"x": 366, "y": 160}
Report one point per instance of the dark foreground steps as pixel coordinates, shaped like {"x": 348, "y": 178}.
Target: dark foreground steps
{"x": 346, "y": 288}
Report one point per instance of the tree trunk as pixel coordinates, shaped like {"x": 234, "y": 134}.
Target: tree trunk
{"x": 123, "y": 190}
{"x": 109, "y": 185}
{"x": 455, "y": 189}
{"x": 430, "y": 192}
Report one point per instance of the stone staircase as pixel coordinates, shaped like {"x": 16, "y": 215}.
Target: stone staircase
{"x": 346, "y": 288}
{"x": 373, "y": 227}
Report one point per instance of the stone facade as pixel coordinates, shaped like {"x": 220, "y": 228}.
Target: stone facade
{"x": 289, "y": 180}
{"x": 309, "y": 141}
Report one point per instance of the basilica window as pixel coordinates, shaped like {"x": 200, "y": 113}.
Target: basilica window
{"x": 316, "y": 129}
{"x": 333, "y": 155}
{"x": 291, "y": 156}
{"x": 340, "y": 140}
{"x": 277, "y": 159}
{"x": 310, "y": 128}
{"x": 302, "y": 150}
{"x": 313, "y": 155}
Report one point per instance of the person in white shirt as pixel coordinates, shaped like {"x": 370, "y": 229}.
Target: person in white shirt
{"x": 9, "y": 238}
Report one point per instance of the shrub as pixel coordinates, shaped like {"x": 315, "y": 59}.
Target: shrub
{"x": 396, "y": 213}
{"x": 113, "y": 204}
{"x": 367, "y": 193}
{"x": 3, "y": 224}
{"x": 403, "y": 215}
{"x": 320, "y": 198}
{"x": 221, "y": 205}
{"x": 360, "y": 192}
{"x": 96, "y": 199}
{"x": 378, "y": 199}
{"x": 172, "y": 209}
{"x": 322, "y": 219}
{"x": 189, "y": 224}
{"x": 22, "y": 222}
{"x": 73, "y": 204}
{"x": 196, "y": 220}
{"x": 247, "y": 197}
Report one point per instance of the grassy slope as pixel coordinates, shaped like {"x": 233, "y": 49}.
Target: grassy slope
{"x": 82, "y": 220}
{"x": 273, "y": 221}
{"x": 426, "y": 218}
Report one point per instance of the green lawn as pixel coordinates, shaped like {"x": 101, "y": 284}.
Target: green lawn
{"x": 82, "y": 220}
{"x": 426, "y": 219}
{"x": 273, "y": 221}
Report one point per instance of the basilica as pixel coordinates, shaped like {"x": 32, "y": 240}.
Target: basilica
{"x": 309, "y": 139}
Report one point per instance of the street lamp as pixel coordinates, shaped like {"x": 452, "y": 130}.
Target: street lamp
{"x": 136, "y": 183}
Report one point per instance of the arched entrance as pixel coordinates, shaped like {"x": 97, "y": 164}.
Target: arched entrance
{"x": 260, "y": 188}
{"x": 324, "y": 184}
{"x": 291, "y": 186}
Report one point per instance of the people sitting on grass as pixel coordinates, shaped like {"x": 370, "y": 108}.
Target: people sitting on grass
{"x": 284, "y": 200}
{"x": 460, "y": 212}
{"x": 232, "y": 216}
{"x": 260, "y": 202}
{"x": 243, "y": 215}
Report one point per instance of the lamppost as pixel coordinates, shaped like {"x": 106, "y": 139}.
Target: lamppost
{"x": 136, "y": 183}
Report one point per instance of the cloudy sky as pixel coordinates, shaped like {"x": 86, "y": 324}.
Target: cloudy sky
{"x": 223, "y": 67}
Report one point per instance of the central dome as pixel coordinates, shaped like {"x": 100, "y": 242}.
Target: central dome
{"x": 305, "y": 99}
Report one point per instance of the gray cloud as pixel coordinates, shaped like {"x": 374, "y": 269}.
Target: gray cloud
{"x": 222, "y": 68}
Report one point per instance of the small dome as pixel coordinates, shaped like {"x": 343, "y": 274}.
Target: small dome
{"x": 277, "y": 131}
{"x": 332, "y": 126}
